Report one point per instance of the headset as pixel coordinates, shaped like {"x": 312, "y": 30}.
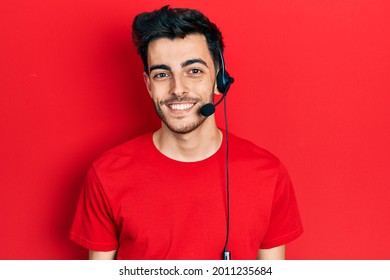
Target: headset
{"x": 224, "y": 81}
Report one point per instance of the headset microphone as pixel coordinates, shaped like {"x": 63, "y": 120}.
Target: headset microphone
{"x": 207, "y": 110}
{"x": 223, "y": 84}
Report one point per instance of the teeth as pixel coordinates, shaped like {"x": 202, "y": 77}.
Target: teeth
{"x": 184, "y": 106}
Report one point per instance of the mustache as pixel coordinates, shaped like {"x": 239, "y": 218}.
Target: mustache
{"x": 176, "y": 99}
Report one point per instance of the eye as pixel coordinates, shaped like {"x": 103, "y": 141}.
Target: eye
{"x": 195, "y": 71}
{"x": 160, "y": 75}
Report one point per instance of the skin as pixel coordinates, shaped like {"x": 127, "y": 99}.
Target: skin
{"x": 181, "y": 79}
{"x": 277, "y": 253}
{"x": 183, "y": 69}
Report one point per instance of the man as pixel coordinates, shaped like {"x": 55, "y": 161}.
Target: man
{"x": 167, "y": 195}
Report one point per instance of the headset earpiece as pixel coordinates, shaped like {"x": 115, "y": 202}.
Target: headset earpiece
{"x": 223, "y": 78}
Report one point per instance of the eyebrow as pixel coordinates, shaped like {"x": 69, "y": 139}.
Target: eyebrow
{"x": 193, "y": 61}
{"x": 160, "y": 66}
{"x": 184, "y": 64}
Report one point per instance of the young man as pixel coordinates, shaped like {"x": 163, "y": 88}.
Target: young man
{"x": 167, "y": 195}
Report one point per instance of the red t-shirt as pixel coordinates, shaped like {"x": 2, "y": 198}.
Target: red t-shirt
{"x": 148, "y": 206}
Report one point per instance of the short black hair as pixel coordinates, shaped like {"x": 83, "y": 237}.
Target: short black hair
{"x": 173, "y": 23}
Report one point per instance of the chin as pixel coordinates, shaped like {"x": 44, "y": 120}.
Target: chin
{"x": 184, "y": 128}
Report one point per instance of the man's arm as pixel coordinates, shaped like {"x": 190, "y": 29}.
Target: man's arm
{"x": 100, "y": 255}
{"x": 276, "y": 253}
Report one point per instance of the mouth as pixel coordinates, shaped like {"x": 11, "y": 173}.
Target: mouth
{"x": 181, "y": 106}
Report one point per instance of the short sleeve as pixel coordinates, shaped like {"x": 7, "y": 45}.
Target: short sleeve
{"x": 285, "y": 223}
{"x": 93, "y": 226}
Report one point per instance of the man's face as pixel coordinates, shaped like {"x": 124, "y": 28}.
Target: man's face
{"x": 180, "y": 81}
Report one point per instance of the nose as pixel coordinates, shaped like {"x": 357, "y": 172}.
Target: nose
{"x": 178, "y": 86}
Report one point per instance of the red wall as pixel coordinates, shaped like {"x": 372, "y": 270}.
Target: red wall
{"x": 312, "y": 86}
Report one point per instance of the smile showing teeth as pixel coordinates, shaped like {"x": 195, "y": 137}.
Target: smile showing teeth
{"x": 182, "y": 106}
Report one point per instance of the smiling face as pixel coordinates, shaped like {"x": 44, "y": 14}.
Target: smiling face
{"x": 181, "y": 80}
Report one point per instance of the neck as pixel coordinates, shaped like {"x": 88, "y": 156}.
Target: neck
{"x": 197, "y": 145}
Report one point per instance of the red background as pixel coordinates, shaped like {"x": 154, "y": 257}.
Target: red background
{"x": 312, "y": 86}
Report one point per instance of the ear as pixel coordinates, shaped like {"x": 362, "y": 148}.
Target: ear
{"x": 147, "y": 83}
{"x": 216, "y": 91}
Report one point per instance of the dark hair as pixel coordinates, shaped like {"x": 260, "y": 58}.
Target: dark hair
{"x": 172, "y": 23}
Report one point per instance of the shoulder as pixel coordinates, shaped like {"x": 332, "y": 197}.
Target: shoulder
{"x": 123, "y": 154}
{"x": 245, "y": 150}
